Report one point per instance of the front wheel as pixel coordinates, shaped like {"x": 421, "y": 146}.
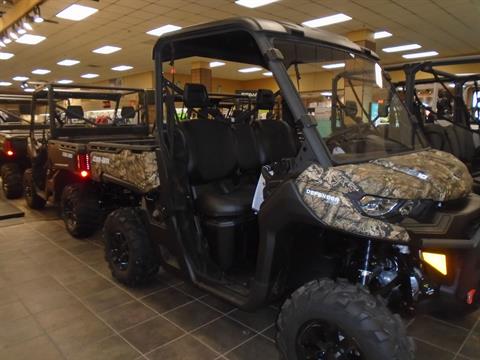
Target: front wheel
{"x": 325, "y": 319}
{"x": 34, "y": 201}
{"x": 11, "y": 180}
{"x": 80, "y": 210}
{"x": 128, "y": 249}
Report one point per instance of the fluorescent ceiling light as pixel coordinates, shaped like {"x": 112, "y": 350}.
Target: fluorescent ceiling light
{"x": 401, "y": 48}
{"x": 6, "y": 56}
{"x": 254, "y": 3}
{"x": 5, "y": 83}
{"x": 76, "y": 12}
{"x": 465, "y": 74}
{"x": 68, "y": 62}
{"x": 326, "y": 93}
{"x": 30, "y": 39}
{"x": 65, "y": 81}
{"x": 163, "y": 30}
{"x": 327, "y": 20}
{"x": 420, "y": 55}
{"x": 250, "y": 69}
{"x": 20, "y": 78}
{"x": 29, "y": 90}
{"x": 122, "y": 68}
{"x": 334, "y": 66}
{"x": 268, "y": 73}
{"x": 41, "y": 71}
{"x": 214, "y": 64}
{"x": 108, "y": 49}
{"x": 90, "y": 76}
{"x": 381, "y": 35}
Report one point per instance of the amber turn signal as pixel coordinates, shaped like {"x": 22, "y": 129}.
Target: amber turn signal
{"x": 437, "y": 261}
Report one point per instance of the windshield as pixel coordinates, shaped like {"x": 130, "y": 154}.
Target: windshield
{"x": 359, "y": 114}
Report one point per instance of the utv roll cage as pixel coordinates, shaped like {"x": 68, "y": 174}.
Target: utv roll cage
{"x": 247, "y": 40}
{"x": 18, "y": 123}
{"x": 52, "y": 93}
{"x": 461, "y": 115}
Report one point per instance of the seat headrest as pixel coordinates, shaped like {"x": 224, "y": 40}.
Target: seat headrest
{"x": 74, "y": 112}
{"x": 265, "y": 99}
{"x": 195, "y": 96}
{"x": 351, "y": 108}
{"x": 128, "y": 112}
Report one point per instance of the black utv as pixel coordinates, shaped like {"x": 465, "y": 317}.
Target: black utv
{"x": 14, "y": 132}
{"x": 60, "y": 173}
{"x": 316, "y": 205}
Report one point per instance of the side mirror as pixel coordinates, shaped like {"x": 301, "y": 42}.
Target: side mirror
{"x": 383, "y": 110}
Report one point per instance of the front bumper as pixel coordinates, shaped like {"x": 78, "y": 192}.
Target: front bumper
{"x": 455, "y": 232}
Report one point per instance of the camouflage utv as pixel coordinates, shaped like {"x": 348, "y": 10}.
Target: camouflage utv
{"x": 332, "y": 203}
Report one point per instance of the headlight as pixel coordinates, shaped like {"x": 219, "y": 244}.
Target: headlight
{"x": 377, "y": 206}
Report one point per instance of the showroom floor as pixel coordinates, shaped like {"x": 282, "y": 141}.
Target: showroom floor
{"x": 58, "y": 301}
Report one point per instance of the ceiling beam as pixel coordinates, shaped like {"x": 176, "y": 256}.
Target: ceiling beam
{"x": 18, "y": 11}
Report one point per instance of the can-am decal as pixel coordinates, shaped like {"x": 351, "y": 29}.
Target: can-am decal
{"x": 67, "y": 155}
{"x": 101, "y": 160}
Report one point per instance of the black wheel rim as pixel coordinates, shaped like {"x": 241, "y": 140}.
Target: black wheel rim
{"x": 321, "y": 340}
{"x": 27, "y": 190}
{"x": 119, "y": 251}
{"x": 69, "y": 215}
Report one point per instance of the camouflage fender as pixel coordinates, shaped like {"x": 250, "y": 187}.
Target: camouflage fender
{"x": 429, "y": 175}
{"x": 138, "y": 169}
{"x": 324, "y": 191}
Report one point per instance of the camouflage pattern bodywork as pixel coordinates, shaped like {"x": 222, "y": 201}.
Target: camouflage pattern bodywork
{"x": 139, "y": 169}
{"x": 429, "y": 175}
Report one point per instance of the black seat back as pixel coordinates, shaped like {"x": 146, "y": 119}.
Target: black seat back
{"x": 247, "y": 148}
{"x": 74, "y": 112}
{"x": 210, "y": 151}
{"x": 265, "y": 99}
{"x": 276, "y": 141}
{"x": 195, "y": 96}
{"x": 128, "y": 112}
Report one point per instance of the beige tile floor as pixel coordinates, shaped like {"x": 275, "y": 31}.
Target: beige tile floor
{"x": 58, "y": 301}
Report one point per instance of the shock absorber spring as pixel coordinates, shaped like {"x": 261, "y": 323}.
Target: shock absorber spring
{"x": 365, "y": 272}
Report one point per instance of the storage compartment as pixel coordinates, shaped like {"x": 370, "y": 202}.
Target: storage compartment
{"x": 233, "y": 242}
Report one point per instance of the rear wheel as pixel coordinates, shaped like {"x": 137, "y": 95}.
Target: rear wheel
{"x": 337, "y": 320}
{"x": 128, "y": 249}
{"x": 80, "y": 210}
{"x": 11, "y": 180}
{"x": 34, "y": 201}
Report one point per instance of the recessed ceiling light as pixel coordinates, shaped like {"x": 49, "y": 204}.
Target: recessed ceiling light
{"x": 41, "y": 72}
{"x": 76, "y": 12}
{"x": 327, "y": 20}
{"x": 381, "y": 35}
{"x": 90, "y": 76}
{"x": 20, "y": 78}
{"x": 30, "y": 39}
{"x": 254, "y": 3}
{"x": 65, "y": 81}
{"x": 401, "y": 48}
{"x": 122, "y": 68}
{"x": 6, "y": 56}
{"x": 5, "y": 83}
{"x": 163, "y": 30}
{"x": 420, "y": 55}
{"x": 108, "y": 49}
{"x": 326, "y": 93}
{"x": 268, "y": 73}
{"x": 250, "y": 69}
{"x": 214, "y": 64}
{"x": 29, "y": 90}
{"x": 334, "y": 66}
{"x": 68, "y": 62}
